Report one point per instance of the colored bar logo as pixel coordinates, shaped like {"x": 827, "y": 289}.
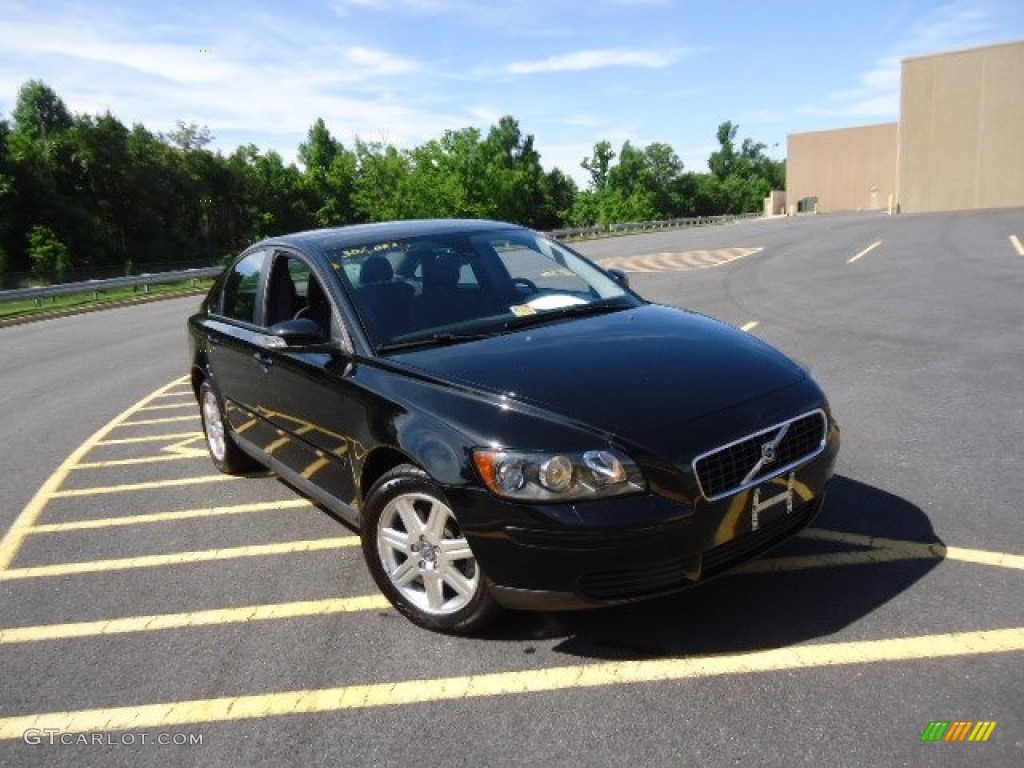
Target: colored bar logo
{"x": 958, "y": 730}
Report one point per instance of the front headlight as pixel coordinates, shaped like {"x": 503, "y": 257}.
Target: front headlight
{"x": 558, "y": 476}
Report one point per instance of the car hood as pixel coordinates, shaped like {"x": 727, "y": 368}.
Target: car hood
{"x": 652, "y": 366}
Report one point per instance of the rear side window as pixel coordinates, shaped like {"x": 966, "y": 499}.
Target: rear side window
{"x": 241, "y": 288}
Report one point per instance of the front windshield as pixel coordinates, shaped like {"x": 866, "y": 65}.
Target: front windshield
{"x": 457, "y": 285}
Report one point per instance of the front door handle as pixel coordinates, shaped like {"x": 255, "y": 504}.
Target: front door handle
{"x": 264, "y": 359}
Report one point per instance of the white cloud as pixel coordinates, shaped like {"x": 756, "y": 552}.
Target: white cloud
{"x": 372, "y": 62}
{"x": 876, "y": 96}
{"x": 595, "y": 59}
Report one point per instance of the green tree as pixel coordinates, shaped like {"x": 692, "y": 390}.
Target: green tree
{"x": 381, "y": 176}
{"x": 39, "y": 113}
{"x": 8, "y": 203}
{"x": 50, "y": 257}
{"x": 330, "y": 175}
{"x": 598, "y": 165}
{"x": 188, "y": 136}
{"x": 746, "y": 176}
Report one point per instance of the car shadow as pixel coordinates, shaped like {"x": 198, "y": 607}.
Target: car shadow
{"x": 759, "y": 609}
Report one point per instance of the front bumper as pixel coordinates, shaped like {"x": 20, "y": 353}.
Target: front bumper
{"x": 603, "y": 552}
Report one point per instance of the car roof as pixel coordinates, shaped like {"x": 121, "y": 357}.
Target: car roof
{"x": 359, "y": 234}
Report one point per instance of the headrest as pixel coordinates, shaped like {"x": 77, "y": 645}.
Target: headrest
{"x": 376, "y": 269}
{"x": 443, "y": 270}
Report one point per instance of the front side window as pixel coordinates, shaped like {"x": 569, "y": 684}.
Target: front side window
{"x": 241, "y": 288}
{"x": 294, "y": 292}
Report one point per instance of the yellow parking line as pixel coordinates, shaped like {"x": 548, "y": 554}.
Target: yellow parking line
{"x": 149, "y": 485}
{"x": 178, "y": 558}
{"x": 151, "y": 438}
{"x": 172, "y": 392}
{"x": 983, "y": 557}
{"x": 194, "y": 619}
{"x": 171, "y": 406}
{"x": 827, "y": 560}
{"x": 749, "y": 326}
{"x": 1015, "y": 241}
{"x": 131, "y": 462}
{"x": 915, "y": 549}
{"x": 863, "y": 253}
{"x": 516, "y": 682}
{"x": 168, "y": 420}
{"x": 162, "y": 517}
{"x": 11, "y": 542}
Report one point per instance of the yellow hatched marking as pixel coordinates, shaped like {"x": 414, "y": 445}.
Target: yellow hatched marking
{"x": 168, "y": 420}
{"x": 136, "y": 460}
{"x": 194, "y": 619}
{"x": 749, "y": 326}
{"x": 185, "y": 448}
{"x": 1016, "y": 243}
{"x": 11, "y": 542}
{"x": 170, "y": 407}
{"x": 163, "y": 517}
{"x": 173, "y": 392}
{"x": 178, "y": 558}
{"x": 678, "y": 260}
{"x": 516, "y": 682}
{"x": 151, "y": 438}
{"x": 149, "y": 485}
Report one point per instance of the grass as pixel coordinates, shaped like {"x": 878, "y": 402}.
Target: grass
{"x": 96, "y": 299}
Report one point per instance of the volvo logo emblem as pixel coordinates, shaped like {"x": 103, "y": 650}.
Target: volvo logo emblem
{"x": 768, "y": 453}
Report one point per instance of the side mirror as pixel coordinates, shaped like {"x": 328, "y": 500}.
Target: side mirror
{"x": 620, "y": 276}
{"x": 297, "y": 333}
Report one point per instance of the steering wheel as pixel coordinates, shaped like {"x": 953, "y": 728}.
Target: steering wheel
{"x": 529, "y": 285}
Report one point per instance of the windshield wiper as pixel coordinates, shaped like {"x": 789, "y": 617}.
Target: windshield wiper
{"x": 434, "y": 340}
{"x": 575, "y": 310}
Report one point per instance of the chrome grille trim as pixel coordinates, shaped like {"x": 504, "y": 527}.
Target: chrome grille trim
{"x": 751, "y": 474}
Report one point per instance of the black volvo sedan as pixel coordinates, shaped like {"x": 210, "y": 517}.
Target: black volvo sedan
{"x": 505, "y": 423}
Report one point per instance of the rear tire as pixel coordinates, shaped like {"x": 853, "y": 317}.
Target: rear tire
{"x": 419, "y": 557}
{"x": 224, "y": 451}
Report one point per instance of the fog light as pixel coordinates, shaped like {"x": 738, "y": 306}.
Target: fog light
{"x": 556, "y": 474}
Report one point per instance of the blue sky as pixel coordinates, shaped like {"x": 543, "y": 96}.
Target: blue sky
{"x": 572, "y": 73}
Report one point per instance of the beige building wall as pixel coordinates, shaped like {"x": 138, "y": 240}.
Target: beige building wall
{"x": 849, "y": 169}
{"x": 961, "y": 138}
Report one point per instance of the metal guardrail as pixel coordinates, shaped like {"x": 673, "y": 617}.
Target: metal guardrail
{"x": 640, "y": 226}
{"x": 146, "y": 280}
{"x": 95, "y": 286}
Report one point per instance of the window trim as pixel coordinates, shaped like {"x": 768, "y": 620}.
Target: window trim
{"x": 259, "y": 305}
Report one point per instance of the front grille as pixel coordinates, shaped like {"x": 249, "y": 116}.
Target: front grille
{"x": 731, "y": 468}
{"x": 641, "y": 581}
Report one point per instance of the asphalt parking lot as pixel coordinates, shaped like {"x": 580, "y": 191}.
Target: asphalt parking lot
{"x": 147, "y": 599}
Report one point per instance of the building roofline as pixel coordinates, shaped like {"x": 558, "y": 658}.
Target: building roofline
{"x": 973, "y": 49}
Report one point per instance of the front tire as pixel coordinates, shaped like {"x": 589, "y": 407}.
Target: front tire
{"x": 224, "y": 451}
{"x": 419, "y": 557}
